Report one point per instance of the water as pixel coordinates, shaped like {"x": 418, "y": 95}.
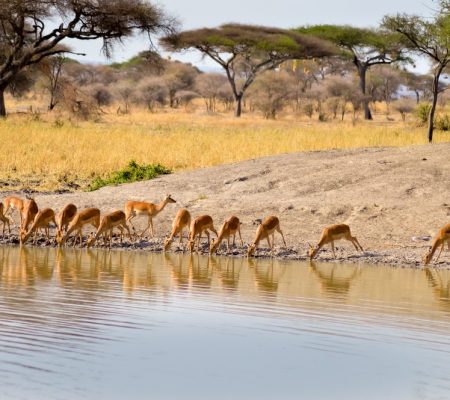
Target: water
{"x": 80, "y": 324}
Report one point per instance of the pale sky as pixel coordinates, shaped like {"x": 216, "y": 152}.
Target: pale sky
{"x": 279, "y": 13}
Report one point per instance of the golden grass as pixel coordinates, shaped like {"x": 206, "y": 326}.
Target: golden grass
{"x": 44, "y": 155}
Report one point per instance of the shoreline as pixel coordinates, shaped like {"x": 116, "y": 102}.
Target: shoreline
{"x": 345, "y": 255}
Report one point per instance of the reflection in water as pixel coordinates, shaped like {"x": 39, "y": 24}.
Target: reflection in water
{"x": 335, "y": 278}
{"x": 100, "y": 324}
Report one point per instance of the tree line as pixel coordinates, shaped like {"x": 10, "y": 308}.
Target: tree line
{"x": 33, "y": 36}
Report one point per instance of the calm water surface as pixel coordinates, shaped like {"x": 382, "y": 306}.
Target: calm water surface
{"x": 112, "y": 325}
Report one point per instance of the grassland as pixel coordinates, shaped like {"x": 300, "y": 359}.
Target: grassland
{"x": 51, "y": 152}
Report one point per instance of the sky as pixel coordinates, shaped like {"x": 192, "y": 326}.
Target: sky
{"x": 279, "y": 13}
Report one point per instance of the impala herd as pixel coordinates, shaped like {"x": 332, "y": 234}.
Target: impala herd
{"x": 71, "y": 221}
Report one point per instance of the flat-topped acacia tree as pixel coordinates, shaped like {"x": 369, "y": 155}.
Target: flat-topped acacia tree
{"x": 245, "y": 51}
{"x": 367, "y": 47}
{"x": 31, "y": 30}
{"x": 429, "y": 37}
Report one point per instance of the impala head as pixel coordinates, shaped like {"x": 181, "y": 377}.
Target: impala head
{"x": 191, "y": 245}
{"x": 59, "y": 237}
{"x": 169, "y": 199}
{"x": 312, "y": 251}
{"x": 213, "y": 246}
{"x": 23, "y": 236}
{"x": 251, "y": 249}
{"x": 167, "y": 243}
{"x": 90, "y": 240}
{"x": 427, "y": 257}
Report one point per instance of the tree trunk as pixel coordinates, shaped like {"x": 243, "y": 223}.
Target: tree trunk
{"x": 433, "y": 109}
{"x": 362, "y": 69}
{"x": 238, "y": 106}
{"x": 437, "y": 75}
{"x": 2, "y": 102}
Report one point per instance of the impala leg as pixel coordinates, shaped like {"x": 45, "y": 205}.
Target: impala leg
{"x": 128, "y": 230}
{"x": 148, "y": 226}
{"x": 268, "y": 241}
{"x": 208, "y": 236}
{"x": 198, "y": 242}
{"x": 281, "y": 233}
{"x": 228, "y": 244}
{"x": 234, "y": 239}
{"x": 151, "y": 226}
{"x": 130, "y": 217}
{"x": 448, "y": 243}
{"x": 356, "y": 241}
{"x": 442, "y": 247}
{"x": 240, "y": 237}
{"x": 332, "y": 248}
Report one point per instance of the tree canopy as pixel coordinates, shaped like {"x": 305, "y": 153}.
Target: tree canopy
{"x": 31, "y": 30}
{"x": 245, "y": 51}
{"x": 367, "y": 47}
{"x": 429, "y": 37}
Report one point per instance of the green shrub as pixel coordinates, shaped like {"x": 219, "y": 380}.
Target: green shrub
{"x": 422, "y": 112}
{"x": 132, "y": 173}
{"x": 442, "y": 122}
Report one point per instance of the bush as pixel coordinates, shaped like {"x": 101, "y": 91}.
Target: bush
{"x": 132, "y": 173}
{"x": 442, "y": 122}
{"x": 422, "y": 112}
{"x": 404, "y": 106}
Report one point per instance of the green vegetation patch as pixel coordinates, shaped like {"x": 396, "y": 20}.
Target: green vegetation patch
{"x": 133, "y": 172}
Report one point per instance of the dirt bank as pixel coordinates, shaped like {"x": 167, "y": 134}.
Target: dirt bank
{"x": 394, "y": 199}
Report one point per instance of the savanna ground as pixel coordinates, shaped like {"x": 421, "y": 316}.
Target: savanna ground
{"x": 46, "y": 152}
{"x": 380, "y": 177}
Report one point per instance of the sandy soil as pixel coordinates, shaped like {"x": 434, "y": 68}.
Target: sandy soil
{"x": 394, "y": 199}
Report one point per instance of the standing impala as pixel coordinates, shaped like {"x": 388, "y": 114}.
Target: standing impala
{"x": 29, "y": 211}
{"x": 182, "y": 220}
{"x": 115, "y": 219}
{"x": 4, "y": 219}
{"x": 88, "y": 216}
{"x": 134, "y": 208}
{"x": 13, "y": 203}
{"x": 229, "y": 228}
{"x": 201, "y": 224}
{"x": 332, "y": 233}
{"x": 42, "y": 221}
{"x": 264, "y": 230}
{"x": 442, "y": 237}
{"x": 64, "y": 217}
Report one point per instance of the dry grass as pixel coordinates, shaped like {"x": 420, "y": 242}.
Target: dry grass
{"x": 45, "y": 155}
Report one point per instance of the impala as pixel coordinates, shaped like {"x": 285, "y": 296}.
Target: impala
{"x": 64, "y": 217}
{"x": 229, "y": 228}
{"x": 442, "y": 237}
{"x": 264, "y": 230}
{"x": 332, "y": 233}
{"x": 41, "y": 221}
{"x": 4, "y": 219}
{"x": 13, "y": 203}
{"x": 29, "y": 211}
{"x": 135, "y": 208}
{"x": 115, "y": 219}
{"x": 182, "y": 220}
{"x": 201, "y": 224}
{"x": 88, "y": 216}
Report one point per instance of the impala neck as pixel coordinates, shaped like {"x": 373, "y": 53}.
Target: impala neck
{"x": 161, "y": 206}
{"x": 434, "y": 247}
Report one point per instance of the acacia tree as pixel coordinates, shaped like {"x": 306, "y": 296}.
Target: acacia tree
{"x": 367, "y": 47}
{"x": 429, "y": 37}
{"x": 31, "y": 30}
{"x": 245, "y": 51}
